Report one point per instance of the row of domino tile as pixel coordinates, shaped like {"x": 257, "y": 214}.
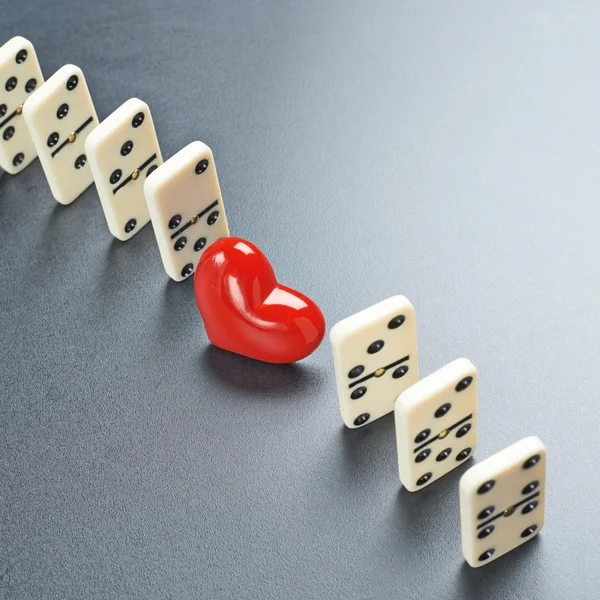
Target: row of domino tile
{"x": 57, "y": 122}
{"x": 376, "y": 368}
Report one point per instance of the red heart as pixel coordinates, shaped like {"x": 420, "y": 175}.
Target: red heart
{"x": 246, "y": 311}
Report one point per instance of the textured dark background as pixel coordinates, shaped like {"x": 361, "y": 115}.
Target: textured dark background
{"x": 448, "y": 151}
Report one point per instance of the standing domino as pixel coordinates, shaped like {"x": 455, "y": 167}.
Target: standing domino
{"x": 123, "y": 150}
{"x": 20, "y": 75}
{"x": 60, "y": 115}
{"x": 502, "y": 501}
{"x": 186, "y": 208}
{"x": 375, "y": 357}
{"x": 436, "y": 424}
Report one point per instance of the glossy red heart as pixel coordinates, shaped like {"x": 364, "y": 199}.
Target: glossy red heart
{"x": 246, "y": 311}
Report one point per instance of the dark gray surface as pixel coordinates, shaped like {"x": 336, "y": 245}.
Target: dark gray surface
{"x": 448, "y": 151}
